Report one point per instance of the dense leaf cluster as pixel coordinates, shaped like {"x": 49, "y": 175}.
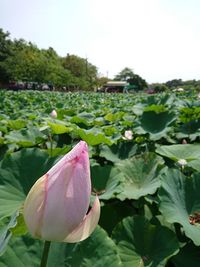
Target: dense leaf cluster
{"x": 148, "y": 185}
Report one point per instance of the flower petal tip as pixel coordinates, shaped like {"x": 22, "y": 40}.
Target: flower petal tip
{"x": 88, "y": 225}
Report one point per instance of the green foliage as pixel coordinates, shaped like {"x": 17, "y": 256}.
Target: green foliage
{"x": 174, "y": 83}
{"x": 24, "y": 61}
{"x": 150, "y": 204}
{"x": 128, "y": 75}
{"x": 158, "y": 88}
{"x": 156, "y": 108}
{"x": 188, "y": 114}
{"x": 188, "y": 255}
{"x": 180, "y": 199}
{"x": 143, "y": 244}
{"x": 5, "y": 53}
{"x": 124, "y": 74}
{"x": 139, "y": 176}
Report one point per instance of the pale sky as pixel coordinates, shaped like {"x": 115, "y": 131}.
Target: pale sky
{"x": 158, "y": 39}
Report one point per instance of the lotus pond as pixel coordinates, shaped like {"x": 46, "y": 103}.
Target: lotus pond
{"x": 148, "y": 182}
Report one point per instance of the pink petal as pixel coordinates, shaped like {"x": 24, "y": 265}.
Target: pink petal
{"x": 68, "y": 192}
{"x": 87, "y": 226}
{"x": 34, "y": 207}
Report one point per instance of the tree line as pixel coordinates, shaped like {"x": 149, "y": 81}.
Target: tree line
{"x": 24, "y": 61}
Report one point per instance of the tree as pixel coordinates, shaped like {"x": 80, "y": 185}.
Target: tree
{"x": 159, "y": 87}
{"x": 124, "y": 75}
{"x": 82, "y": 69}
{"x": 5, "y": 52}
{"x": 174, "y": 83}
{"x": 24, "y": 61}
{"x": 101, "y": 81}
{"x": 129, "y": 76}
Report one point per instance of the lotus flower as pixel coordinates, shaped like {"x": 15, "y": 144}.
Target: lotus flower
{"x": 53, "y": 114}
{"x": 128, "y": 135}
{"x": 57, "y": 204}
{"x": 184, "y": 142}
{"x": 182, "y": 162}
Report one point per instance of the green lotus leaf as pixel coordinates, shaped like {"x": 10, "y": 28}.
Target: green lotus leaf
{"x": 117, "y": 152}
{"x": 175, "y": 152}
{"x": 106, "y": 181}
{"x": 94, "y": 137}
{"x": 98, "y": 250}
{"x": 142, "y": 244}
{"x": 112, "y": 213}
{"x": 83, "y": 118}
{"x": 148, "y": 123}
{"x": 16, "y": 124}
{"x": 18, "y": 172}
{"x": 156, "y": 108}
{"x": 25, "y": 137}
{"x": 189, "y": 152}
{"x": 190, "y": 127}
{"x": 139, "y": 176}
{"x": 115, "y": 116}
{"x": 21, "y": 252}
{"x": 179, "y": 199}
{"x": 189, "y": 255}
{"x": 5, "y": 233}
{"x": 1, "y": 140}
{"x": 59, "y": 128}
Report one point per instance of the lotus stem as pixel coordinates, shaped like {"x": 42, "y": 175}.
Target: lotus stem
{"x": 45, "y": 254}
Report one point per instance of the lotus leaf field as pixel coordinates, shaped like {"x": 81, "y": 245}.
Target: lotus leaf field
{"x": 148, "y": 185}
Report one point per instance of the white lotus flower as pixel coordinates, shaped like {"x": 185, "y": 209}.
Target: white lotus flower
{"x": 182, "y": 162}
{"x": 128, "y": 135}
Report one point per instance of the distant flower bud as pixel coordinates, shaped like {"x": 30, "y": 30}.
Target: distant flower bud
{"x": 128, "y": 135}
{"x": 184, "y": 142}
{"x": 182, "y": 162}
{"x": 54, "y": 114}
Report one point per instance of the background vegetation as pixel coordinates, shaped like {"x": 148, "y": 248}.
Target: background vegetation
{"x": 150, "y": 202}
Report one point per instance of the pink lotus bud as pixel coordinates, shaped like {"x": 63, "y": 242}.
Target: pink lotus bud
{"x": 54, "y": 114}
{"x": 184, "y": 141}
{"x": 128, "y": 135}
{"x": 57, "y": 204}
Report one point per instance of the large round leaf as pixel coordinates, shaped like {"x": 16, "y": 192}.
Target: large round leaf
{"x": 189, "y": 152}
{"x": 59, "y": 127}
{"x": 113, "y": 212}
{"x": 26, "y": 137}
{"x": 5, "y": 233}
{"x": 118, "y": 152}
{"x": 94, "y": 137}
{"x": 143, "y": 244}
{"x": 189, "y": 255}
{"x": 97, "y": 251}
{"x": 100, "y": 176}
{"x": 140, "y": 176}
{"x": 179, "y": 198}
{"x": 18, "y": 173}
{"x": 22, "y": 252}
{"x": 148, "y": 123}
{"x": 107, "y": 181}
